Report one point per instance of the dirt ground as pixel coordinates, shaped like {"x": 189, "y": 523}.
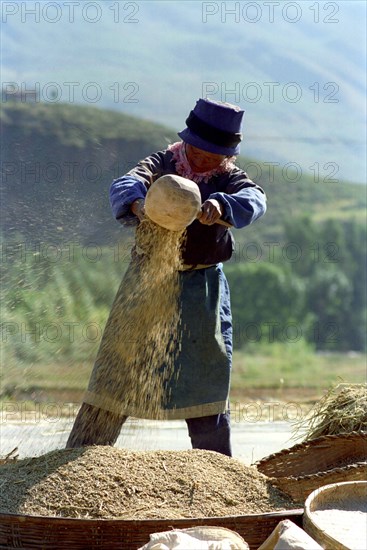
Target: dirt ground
{"x": 266, "y": 404}
{"x": 262, "y": 423}
{"x": 300, "y": 395}
{"x": 269, "y": 404}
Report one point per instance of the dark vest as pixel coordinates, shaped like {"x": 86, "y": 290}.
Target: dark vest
{"x": 207, "y": 244}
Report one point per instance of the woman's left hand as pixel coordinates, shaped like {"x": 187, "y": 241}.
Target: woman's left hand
{"x": 211, "y": 211}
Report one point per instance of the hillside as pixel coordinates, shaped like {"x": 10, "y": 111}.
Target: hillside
{"x": 58, "y": 161}
{"x": 302, "y": 265}
{"x": 297, "y": 69}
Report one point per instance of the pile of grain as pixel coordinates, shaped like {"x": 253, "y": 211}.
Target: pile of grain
{"x": 143, "y": 329}
{"x": 343, "y": 409}
{"x": 106, "y": 482}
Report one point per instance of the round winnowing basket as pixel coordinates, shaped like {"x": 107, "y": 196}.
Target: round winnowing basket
{"x": 173, "y": 202}
{"x": 336, "y": 516}
{"x": 307, "y": 466}
{"x": 49, "y": 533}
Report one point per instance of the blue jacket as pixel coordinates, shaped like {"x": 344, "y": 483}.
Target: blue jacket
{"x": 243, "y": 202}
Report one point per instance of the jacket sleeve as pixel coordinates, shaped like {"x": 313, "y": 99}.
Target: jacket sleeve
{"x": 243, "y": 200}
{"x": 134, "y": 185}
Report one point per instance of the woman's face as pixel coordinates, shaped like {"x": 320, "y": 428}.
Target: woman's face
{"x": 202, "y": 161}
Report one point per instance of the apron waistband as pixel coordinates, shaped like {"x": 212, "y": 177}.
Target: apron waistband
{"x": 186, "y": 267}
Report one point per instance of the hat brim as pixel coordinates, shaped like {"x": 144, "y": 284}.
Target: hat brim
{"x": 192, "y": 139}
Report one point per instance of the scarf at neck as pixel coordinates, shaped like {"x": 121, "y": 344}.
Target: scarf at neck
{"x": 184, "y": 169}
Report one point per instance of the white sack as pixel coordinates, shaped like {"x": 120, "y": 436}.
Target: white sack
{"x": 196, "y": 538}
{"x": 288, "y": 536}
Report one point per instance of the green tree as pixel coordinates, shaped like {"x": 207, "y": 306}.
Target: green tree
{"x": 302, "y": 233}
{"x": 267, "y": 303}
{"x": 332, "y": 266}
{"x": 329, "y": 297}
{"x": 355, "y": 270}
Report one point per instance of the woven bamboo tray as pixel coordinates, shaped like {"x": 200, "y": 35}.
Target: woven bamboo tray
{"x": 336, "y": 516}
{"x": 307, "y": 466}
{"x": 47, "y": 533}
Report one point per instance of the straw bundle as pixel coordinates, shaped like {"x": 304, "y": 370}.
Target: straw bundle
{"x": 343, "y": 409}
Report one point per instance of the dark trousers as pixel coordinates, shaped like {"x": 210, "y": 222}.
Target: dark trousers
{"x": 94, "y": 426}
{"x": 212, "y": 433}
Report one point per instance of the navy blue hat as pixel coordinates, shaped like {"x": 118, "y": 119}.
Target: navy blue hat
{"x": 214, "y": 127}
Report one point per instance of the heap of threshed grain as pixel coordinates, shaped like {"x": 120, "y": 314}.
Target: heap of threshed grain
{"x": 106, "y": 482}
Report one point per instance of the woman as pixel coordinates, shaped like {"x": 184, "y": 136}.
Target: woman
{"x": 206, "y": 155}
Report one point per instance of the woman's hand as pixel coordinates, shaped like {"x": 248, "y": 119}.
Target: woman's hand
{"x": 211, "y": 212}
{"x": 137, "y": 208}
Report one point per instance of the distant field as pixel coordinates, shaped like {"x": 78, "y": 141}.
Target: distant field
{"x": 288, "y": 368}
{"x": 282, "y": 373}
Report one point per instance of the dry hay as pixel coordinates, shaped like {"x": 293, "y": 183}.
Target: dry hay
{"x": 343, "y": 409}
{"x": 106, "y": 482}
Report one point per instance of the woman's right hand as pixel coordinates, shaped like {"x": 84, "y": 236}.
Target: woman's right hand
{"x": 138, "y": 209}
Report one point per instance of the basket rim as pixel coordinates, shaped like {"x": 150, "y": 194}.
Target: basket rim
{"x": 278, "y": 513}
{"x": 326, "y": 488}
{"x": 311, "y": 442}
{"x": 339, "y": 469}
